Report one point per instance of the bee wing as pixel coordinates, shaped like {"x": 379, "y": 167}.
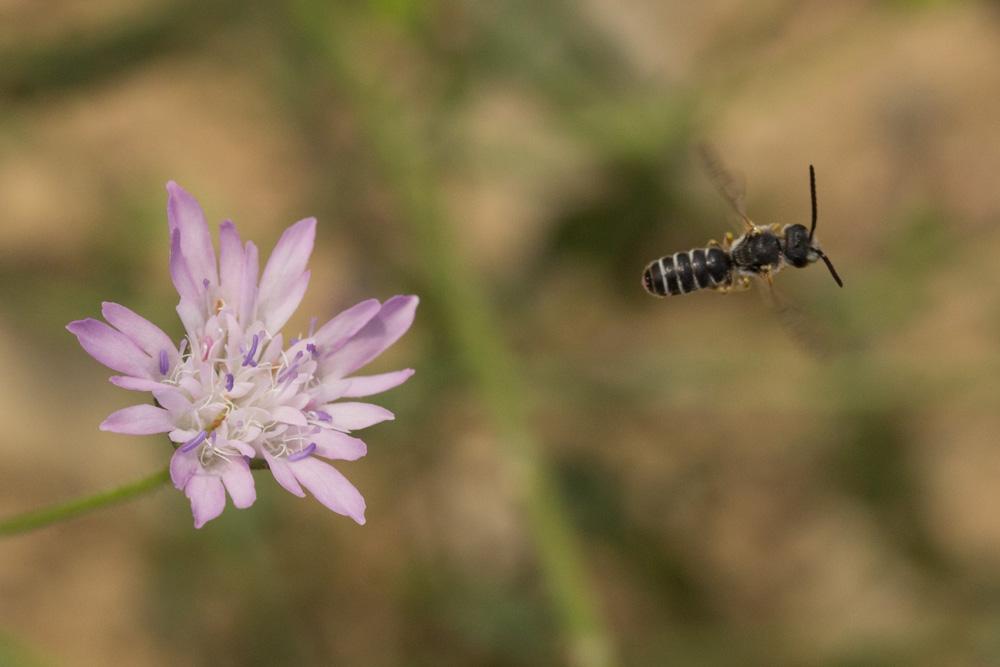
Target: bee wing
{"x": 803, "y": 329}
{"x": 732, "y": 189}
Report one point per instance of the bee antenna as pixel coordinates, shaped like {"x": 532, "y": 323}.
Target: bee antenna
{"x": 829, "y": 265}
{"x": 812, "y": 193}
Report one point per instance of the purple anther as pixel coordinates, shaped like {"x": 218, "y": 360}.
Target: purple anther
{"x": 164, "y": 362}
{"x": 248, "y": 360}
{"x": 313, "y": 350}
{"x": 194, "y": 442}
{"x": 303, "y": 453}
{"x": 230, "y": 380}
{"x": 323, "y": 416}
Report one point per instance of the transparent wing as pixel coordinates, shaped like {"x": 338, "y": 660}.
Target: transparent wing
{"x": 733, "y": 190}
{"x": 803, "y": 329}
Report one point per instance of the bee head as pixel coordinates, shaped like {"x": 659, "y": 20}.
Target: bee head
{"x": 799, "y": 248}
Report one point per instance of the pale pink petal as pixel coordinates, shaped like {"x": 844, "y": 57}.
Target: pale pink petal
{"x": 136, "y": 384}
{"x": 172, "y": 399}
{"x": 282, "y": 472}
{"x": 338, "y": 446}
{"x": 287, "y": 261}
{"x": 276, "y": 313}
{"x": 208, "y": 498}
{"x": 147, "y": 336}
{"x": 273, "y": 350}
{"x": 111, "y": 348}
{"x": 346, "y": 324}
{"x": 329, "y": 487}
{"x": 138, "y": 420}
{"x": 180, "y": 274}
{"x": 230, "y": 263}
{"x": 349, "y": 416}
{"x": 184, "y": 214}
{"x": 183, "y": 466}
{"x": 180, "y": 435}
{"x": 242, "y": 447}
{"x": 330, "y": 390}
{"x": 367, "y": 385}
{"x": 380, "y": 332}
{"x": 239, "y": 483}
{"x": 192, "y": 316}
{"x": 248, "y": 290}
{"x": 287, "y": 415}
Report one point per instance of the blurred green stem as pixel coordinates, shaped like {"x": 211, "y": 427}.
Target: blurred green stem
{"x": 44, "y": 517}
{"x": 465, "y": 312}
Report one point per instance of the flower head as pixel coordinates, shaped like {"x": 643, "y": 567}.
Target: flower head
{"x": 233, "y": 390}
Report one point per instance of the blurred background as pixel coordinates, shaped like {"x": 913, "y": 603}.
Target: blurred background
{"x": 579, "y": 474}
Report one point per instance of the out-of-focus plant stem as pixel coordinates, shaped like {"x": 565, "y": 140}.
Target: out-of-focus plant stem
{"x": 74, "y": 508}
{"x": 472, "y": 327}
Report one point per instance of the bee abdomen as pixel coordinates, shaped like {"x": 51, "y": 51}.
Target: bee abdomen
{"x": 685, "y": 272}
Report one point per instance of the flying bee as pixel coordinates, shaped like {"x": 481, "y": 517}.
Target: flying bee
{"x": 761, "y": 250}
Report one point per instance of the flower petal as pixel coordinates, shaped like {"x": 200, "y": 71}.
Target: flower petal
{"x": 248, "y": 290}
{"x": 111, "y": 348}
{"x": 288, "y": 260}
{"x": 183, "y": 466}
{"x": 136, "y": 384}
{"x": 330, "y": 390}
{"x": 230, "y": 263}
{"x": 147, "y": 336}
{"x": 366, "y": 385}
{"x": 138, "y": 420}
{"x": 330, "y": 488}
{"x": 242, "y": 447}
{"x": 283, "y": 475}
{"x": 339, "y": 446}
{"x": 380, "y": 332}
{"x": 276, "y": 313}
{"x": 172, "y": 399}
{"x": 184, "y": 215}
{"x": 208, "y": 498}
{"x": 239, "y": 483}
{"x": 346, "y": 324}
{"x": 179, "y": 272}
{"x": 349, "y": 416}
{"x": 192, "y": 317}
{"x": 288, "y": 415}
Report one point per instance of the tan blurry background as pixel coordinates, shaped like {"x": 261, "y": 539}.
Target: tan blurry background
{"x": 730, "y": 497}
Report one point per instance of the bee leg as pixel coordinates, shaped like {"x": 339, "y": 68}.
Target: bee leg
{"x": 768, "y": 275}
{"x": 742, "y": 283}
{"x": 727, "y": 241}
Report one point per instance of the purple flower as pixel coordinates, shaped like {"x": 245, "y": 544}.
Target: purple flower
{"x": 231, "y": 391}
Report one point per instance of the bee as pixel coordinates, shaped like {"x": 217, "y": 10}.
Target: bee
{"x": 761, "y": 250}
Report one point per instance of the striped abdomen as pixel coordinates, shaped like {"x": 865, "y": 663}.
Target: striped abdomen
{"x": 685, "y": 272}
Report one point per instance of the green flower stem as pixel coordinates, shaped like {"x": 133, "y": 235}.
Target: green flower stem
{"x": 472, "y": 326}
{"x": 29, "y": 521}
